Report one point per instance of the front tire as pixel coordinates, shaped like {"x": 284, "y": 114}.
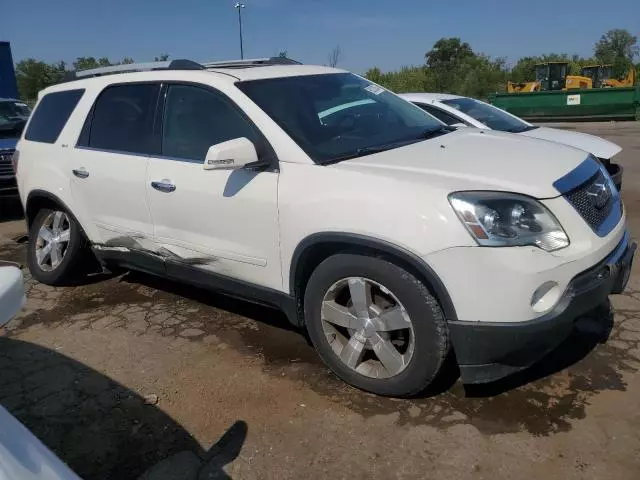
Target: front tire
{"x": 375, "y": 324}
{"x": 55, "y": 249}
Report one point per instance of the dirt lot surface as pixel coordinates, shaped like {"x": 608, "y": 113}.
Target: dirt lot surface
{"x": 123, "y": 372}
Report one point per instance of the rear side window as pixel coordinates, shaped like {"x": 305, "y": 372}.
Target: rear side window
{"x": 123, "y": 119}
{"x": 440, "y": 114}
{"x": 51, "y": 115}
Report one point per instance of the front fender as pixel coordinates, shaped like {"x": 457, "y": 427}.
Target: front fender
{"x": 343, "y": 240}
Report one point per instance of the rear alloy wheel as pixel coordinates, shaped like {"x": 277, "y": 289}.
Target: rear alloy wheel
{"x": 55, "y": 248}
{"x": 52, "y": 241}
{"x": 375, "y": 324}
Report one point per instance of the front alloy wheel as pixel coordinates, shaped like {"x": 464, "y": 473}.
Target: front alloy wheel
{"x": 367, "y": 327}
{"x": 375, "y": 324}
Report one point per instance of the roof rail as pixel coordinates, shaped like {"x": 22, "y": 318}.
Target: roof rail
{"x": 141, "y": 67}
{"x": 254, "y": 62}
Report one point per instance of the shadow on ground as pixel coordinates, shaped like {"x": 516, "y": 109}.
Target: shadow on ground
{"x": 98, "y": 427}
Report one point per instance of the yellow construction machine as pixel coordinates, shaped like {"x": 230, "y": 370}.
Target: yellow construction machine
{"x": 551, "y": 76}
{"x": 603, "y": 76}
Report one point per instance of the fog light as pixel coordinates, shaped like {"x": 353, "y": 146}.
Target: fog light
{"x": 545, "y": 297}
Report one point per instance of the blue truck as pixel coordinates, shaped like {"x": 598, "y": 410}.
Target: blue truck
{"x": 13, "y": 117}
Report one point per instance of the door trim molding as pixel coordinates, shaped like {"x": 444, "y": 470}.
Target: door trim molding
{"x": 154, "y": 264}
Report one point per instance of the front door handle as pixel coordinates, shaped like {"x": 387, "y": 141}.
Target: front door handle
{"x": 80, "y": 172}
{"x": 164, "y": 186}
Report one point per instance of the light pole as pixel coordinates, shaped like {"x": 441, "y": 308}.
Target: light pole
{"x": 239, "y": 6}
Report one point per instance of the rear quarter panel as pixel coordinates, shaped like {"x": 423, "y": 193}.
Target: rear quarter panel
{"x": 46, "y": 167}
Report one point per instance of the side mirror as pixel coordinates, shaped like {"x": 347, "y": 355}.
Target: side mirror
{"x": 12, "y": 296}
{"x": 231, "y": 155}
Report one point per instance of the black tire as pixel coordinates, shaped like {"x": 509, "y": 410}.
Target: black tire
{"x": 429, "y": 325}
{"x": 69, "y": 269}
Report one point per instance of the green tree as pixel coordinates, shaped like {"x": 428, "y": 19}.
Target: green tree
{"x": 524, "y": 70}
{"x": 444, "y": 62}
{"x": 87, "y": 63}
{"x": 617, "y": 47}
{"x": 616, "y": 44}
{"x": 163, "y": 57}
{"x": 451, "y": 67}
{"x": 34, "y": 75}
{"x": 479, "y": 76}
{"x": 374, "y": 74}
{"x": 448, "y": 52}
{"x": 282, "y": 54}
{"x": 407, "y": 79}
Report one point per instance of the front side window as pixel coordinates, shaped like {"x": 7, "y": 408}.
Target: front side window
{"x": 339, "y": 116}
{"x": 123, "y": 119}
{"x": 51, "y": 115}
{"x": 492, "y": 117}
{"x": 196, "y": 118}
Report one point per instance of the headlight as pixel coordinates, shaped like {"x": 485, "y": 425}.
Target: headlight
{"x": 497, "y": 219}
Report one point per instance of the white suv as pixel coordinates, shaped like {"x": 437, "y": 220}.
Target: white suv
{"x": 388, "y": 236}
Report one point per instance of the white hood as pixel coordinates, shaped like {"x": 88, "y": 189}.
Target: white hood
{"x": 473, "y": 159}
{"x": 589, "y": 143}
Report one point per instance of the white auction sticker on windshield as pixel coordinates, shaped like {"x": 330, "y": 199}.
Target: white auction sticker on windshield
{"x": 375, "y": 89}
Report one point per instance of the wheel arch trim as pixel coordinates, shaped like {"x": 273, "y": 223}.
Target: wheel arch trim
{"x": 433, "y": 281}
{"x": 36, "y": 194}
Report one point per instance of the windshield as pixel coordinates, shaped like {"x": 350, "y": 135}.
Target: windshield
{"x": 492, "y": 117}
{"x": 607, "y": 72}
{"x": 337, "y": 116}
{"x": 14, "y": 109}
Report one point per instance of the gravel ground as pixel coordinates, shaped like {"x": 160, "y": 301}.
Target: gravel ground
{"x": 131, "y": 374}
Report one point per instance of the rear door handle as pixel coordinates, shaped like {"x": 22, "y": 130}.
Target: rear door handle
{"x": 164, "y": 186}
{"x": 80, "y": 172}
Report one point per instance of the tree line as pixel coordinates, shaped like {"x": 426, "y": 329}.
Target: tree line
{"x": 33, "y": 75}
{"x": 450, "y": 66}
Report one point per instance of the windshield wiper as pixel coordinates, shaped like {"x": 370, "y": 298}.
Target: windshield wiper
{"x": 436, "y": 132}
{"x": 524, "y": 128}
{"x": 361, "y": 152}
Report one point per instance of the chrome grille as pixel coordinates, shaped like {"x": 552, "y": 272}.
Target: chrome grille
{"x": 594, "y": 200}
{"x": 5, "y": 163}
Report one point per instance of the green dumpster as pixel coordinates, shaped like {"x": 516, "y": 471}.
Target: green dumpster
{"x": 592, "y": 104}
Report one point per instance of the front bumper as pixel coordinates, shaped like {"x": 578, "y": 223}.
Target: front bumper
{"x": 8, "y": 183}
{"x": 488, "y": 351}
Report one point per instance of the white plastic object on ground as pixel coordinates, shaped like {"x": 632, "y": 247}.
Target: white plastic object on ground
{"x": 12, "y": 296}
{"x": 24, "y": 457}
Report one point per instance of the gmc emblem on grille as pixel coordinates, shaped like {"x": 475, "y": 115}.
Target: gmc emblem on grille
{"x": 599, "y": 194}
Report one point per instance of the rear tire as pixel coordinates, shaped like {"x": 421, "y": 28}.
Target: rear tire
{"x": 56, "y": 247}
{"x": 396, "y": 345}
